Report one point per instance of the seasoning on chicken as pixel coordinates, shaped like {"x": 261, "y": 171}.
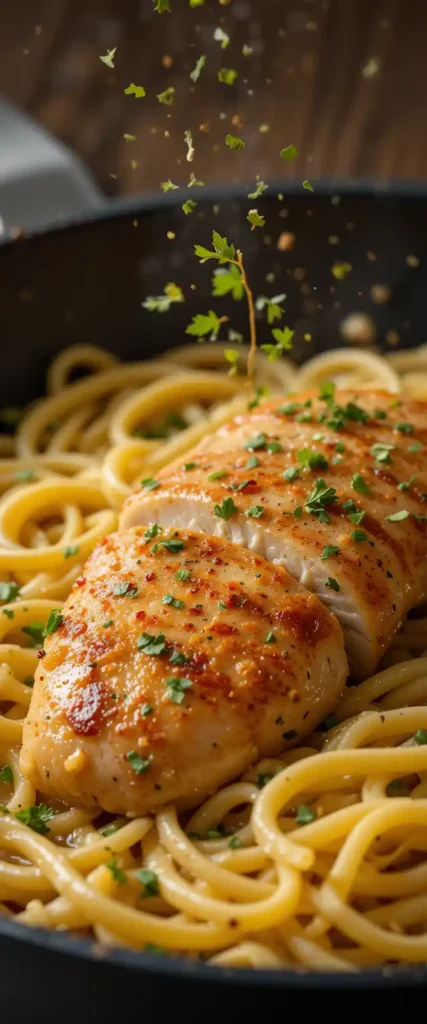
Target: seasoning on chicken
{"x": 179, "y": 661}
{"x": 333, "y": 487}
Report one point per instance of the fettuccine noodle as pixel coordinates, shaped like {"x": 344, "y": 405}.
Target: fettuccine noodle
{"x": 316, "y": 859}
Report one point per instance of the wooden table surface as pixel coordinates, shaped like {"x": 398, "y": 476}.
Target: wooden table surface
{"x": 343, "y": 80}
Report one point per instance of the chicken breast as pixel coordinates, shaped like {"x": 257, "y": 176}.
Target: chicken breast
{"x": 180, "y": 659}
{"x": 332, "y": 487}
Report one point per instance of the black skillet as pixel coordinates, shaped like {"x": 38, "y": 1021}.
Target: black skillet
{"x": 82, "y": 277}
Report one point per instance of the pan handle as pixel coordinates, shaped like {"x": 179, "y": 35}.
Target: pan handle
{"x": 41, "y": 180}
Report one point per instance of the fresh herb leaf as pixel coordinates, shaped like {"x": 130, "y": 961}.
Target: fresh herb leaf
{"x": 182, "y": 575}
{"x": 219, "y": 474}
{"x": 139, "y": 765}
{"x": 232, "y": 356}
{"x": 36, "y": 817}
{"x": 197, "y": 70}
{"x": 178, "y": 658}
{"x": 170, "y": 545}
{"x": 381, "y": 452}
{"x": 149, "y": 484}
{"x": 222, "y": 250}
{"x": 167, "y": 97}
{"x": 161, "y": 6}
{"x": 304, "y": 815}
{"x": 70, "y": 550}
{"x": 404, "y": 428}
{"x": 234, "y": 142}
{"x": 258, "y": 442}
{"x": 406, "y": 484}
{"x": 291, "y": 473}
{"x": 153, "y": 531}
{"x": 226, "y": 509}
{"x": 108, "y": 57}
{"x": 176, "y": 687}
{"x": 289, "y": 153}
{"x": 283, "y": 338}
{"x": 168, "y": 186}
{"x": 135, "y": 90}
{"x": 255, "y": 219}
{"x": 307, "y": 184}
{"x": 320, "y": 496}
{"x": 421, "y": 737}
{"x": 234, "y": 843}
{"x": 260, "y": 188}
{"x": 193, "y": 181}
{"x": 359, "y": 536}
{"x": 359, "y": 484}
{"x": 270, "y": 638}
{"x": 146, "y": 710}
{"x": 55, "y": 620}
{"x": 149, "y": 882}
{"x": 117, "y": 873}
{"x": 35, "y": 630}
{"x": 415, "y": 447}
{"x": 255, "y": 511}
{"x": 125, "y": 590}
{"x": 328, "y": 551}
{"x": 221, "y": 37}
{"x": 332, "y": 584}
{"x": 151, "y": 644}
{"x": 227, "y": 281}
{"x": 205, "y": 323}
{"x": 227, "y": 75}
{"x": 162, "y": 303}
{"x": 357, "y": 517}
{"x": 310, "y": 459}
{"x": 108, "y": 623}
{"x": 188, "y": 206}
{"x": 6, "y": 774}
{"x": 9, "y": 591}
{"x": 398, "y": 517}
{"x": 174, "y": 601}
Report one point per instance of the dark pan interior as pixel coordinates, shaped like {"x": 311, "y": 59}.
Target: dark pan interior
{"x": 85, "y": 282}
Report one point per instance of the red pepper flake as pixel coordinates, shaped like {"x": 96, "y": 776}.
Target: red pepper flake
{"x": 150, "y": 576}
{"x": 140, "y": 616}
{"x": 80, "y": 581}
{"x": 195, "y": 610}
{"x": 223, "y": 629}
{"x": 41, "y": 654}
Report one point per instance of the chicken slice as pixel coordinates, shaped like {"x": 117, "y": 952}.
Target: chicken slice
{"x": 181, "y": 659}
{"x": 309, "y": 485}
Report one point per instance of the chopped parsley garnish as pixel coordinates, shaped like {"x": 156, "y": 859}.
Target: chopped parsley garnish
{"x": 270, "y": 638}
{"x": 291, "y": 473}
{"x": 311, "y": 459}
{"x": 151, "y": 644}
{"x": 176, "y": 687}
{"x": 178, "y": 658}
{"x": 234, "y": 142}
{"x": 222, "y": 607}
{"x": 227, "y": 75}
{"x": 108, "y": 57}
{"x": 36, "y": 817}
{"x": 139, "y": 765}
{"x": 170, "y": 545}
{"x": 255, "y": 511}
{"x": 406, "y": 484}
{"x": 125, "y": 590}
{"x": 357, "y": 517}
{"x": 379, "y": 414}
{"x": 70, "y": 550}
{"x": 219, "y": 474}
{"x": 174, "y": 601}
{"x": 289, "y": 409}
{"x": 359, "y": 484}
{"x": 404, "y": 428}
{"x": 332, "y": 584}
{"x": 415, "y": 447}
{"x": 359, "y": 536}
{"x": 117, "y": 873}
{"x": 153, "y": 531}
{"x": 135, "y": 90}
{"x": 189, "y": 465}
{"x": 53, "y": 623}
{"x": 273, "y": 447}
{"x": 258, "y": 442}
{"x": 35, "y": 630}
{"x": 9, "y": 591}
{"x": 149, "y": 484}
{"x": 255, "y": 219}
{"x": 320, "y": 496}
{"x": 328, "y": 551}
{"x": 252, "y": 463}
{"x": 381, "y": 452}
{"x": 260, "y": 188}
{"x": 189, "y": 206}
{"x": 8, "y": 613}
{"x": 339, "y": 447}
{"x": 398, "y": 517}
{"x": 221, "y": 37}
{"x": 109, "y": 830}
{"x": 6, "y": 774}
{"x": 168, "y": 186}
{"x": 146, "y": 710}
{"x": 307, "y": 184}
{"x": 197, "y": 70}
{"x": 289, "y": 153}
{"x": 234, "y": 843}
{"x": 226, "y": 509}
{"x": 167, "y": 96}
{"x": 182, "y": 575}
{"x": 161, "y": 6}
{"x": 149, "y": 882}
{"x": 304, "y": 815}
{"x": 297, "y": 512}
{"x": 421, "y": 737}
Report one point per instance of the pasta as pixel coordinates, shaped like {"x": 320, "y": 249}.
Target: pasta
{"x": 316, "y": 859}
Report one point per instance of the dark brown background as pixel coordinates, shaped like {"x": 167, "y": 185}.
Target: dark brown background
{"x": 306, "y": 81}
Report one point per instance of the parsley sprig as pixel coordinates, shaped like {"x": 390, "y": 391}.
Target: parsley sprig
{"x": 227, "y": 253}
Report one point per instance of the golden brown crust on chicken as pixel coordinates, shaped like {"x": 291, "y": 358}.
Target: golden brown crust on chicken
{"x": 322, "y": 474}
{"x": 181, "y": 659}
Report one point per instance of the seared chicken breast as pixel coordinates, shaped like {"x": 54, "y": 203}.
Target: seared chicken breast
{"x": 178, "y": 661}
{"x": 332, "y": 487}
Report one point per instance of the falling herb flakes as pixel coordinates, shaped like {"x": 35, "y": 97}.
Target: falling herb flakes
{"x": 188, "y": 139}
{"x": 289, "y": 153}
{"x": 255, "y": 219}
{"x": 135, "y": 90}
{"x": 307, "y": 184}
{"x": 234, "y": 142}
{"x": 161, "y": 6}
{"x": 205, "y": 323}
{"x": 108, "y": 58}
{"x": 227, "y": 76}
{"x": 197, "y": 70}
{"x": 189, "y": 206}
{"x": 168, "y": 186}
{"x": 162, "y": 303}
{"x": 167, "y": 97}
{"x": 221, "y": 37}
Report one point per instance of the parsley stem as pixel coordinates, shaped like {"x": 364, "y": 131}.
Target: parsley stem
{"x": 251, "y": 309}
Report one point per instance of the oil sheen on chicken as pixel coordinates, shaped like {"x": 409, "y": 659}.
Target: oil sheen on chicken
{"x": 180, "y": 660}
{"x": 332, "y": 487}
